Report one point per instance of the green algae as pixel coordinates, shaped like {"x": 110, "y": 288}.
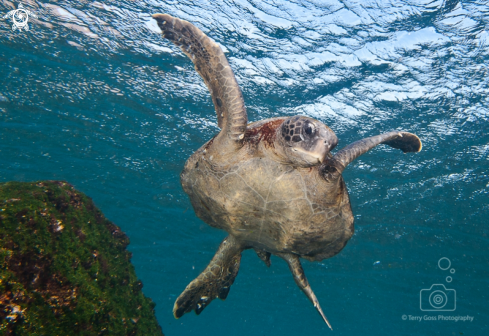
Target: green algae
{"x": 64, "y": 268}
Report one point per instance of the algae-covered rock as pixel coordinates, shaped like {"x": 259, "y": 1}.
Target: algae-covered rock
{"x": 64, "y": 268}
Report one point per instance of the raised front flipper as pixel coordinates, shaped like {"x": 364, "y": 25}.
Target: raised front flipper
{"x": 212, "y": 65}
{"x": 301, "y": 281}
{"x": 214, "y": 282}
{"x": 407, "y": 142}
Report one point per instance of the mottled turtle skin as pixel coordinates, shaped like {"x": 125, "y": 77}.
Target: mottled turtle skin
{"x": 273, "y": 185}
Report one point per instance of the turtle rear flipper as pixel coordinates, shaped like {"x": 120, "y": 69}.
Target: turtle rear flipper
{"x": 301, "y": 281}
{"x": 264, "y": 256}
{"x": 214, "y": 282}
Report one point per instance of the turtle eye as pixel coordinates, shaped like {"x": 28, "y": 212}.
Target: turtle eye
{"x": 309, "y": 128}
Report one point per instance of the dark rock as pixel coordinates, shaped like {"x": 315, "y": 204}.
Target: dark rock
{"x": 62, "y": 265}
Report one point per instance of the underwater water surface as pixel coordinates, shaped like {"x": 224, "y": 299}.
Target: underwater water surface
{"x": 93, "y": 95}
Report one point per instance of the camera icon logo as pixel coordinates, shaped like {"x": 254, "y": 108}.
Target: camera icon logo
{"x": 437, "y": 298}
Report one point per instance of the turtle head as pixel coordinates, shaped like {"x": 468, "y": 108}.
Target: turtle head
{"x": 305, "y": 141}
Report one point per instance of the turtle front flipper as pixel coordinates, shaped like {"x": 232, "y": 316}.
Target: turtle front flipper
{"x": 212, "y": 65}
{"x": 214, "y": 282}
{"x": 301, "y": 281}
{"x": 407, "y": 142}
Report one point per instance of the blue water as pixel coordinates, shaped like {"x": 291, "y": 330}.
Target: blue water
{"x": 93, "y": 95}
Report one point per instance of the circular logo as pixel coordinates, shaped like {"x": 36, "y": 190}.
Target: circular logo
{"x": 20, "y": 18}
{"x": 438, "y": 299}
{"x": 444, "y": 263}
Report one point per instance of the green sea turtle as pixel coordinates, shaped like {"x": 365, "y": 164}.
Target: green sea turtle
{"x": 273, "y": 185}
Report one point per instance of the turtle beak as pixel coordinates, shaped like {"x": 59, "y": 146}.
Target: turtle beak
{"x": 319, "y": 152}
{"x": 326, "y": 141}
{"x": 314, "y": 156}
